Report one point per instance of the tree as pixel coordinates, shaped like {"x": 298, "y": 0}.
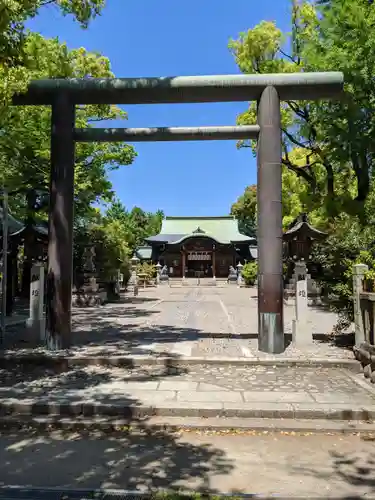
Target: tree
{"x": 112, "y": 252}
{"x": 336, "y": 137}
{"x": 244, "y": 209}
{"x": 297, "y": 197}
{"x": 328, "y": 154}
{"x": 136, "y": 223}
{"x": 25, "y": 138}
{"x": 14, "y": 74}
{"x": 25, "y": 132}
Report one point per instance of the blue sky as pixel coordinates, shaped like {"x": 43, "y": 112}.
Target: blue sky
{"x": 168, "y": 38}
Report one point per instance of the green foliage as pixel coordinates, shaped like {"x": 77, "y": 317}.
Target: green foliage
{"x": 111, "y": 249}
{"x": 347, "y": 244}
{"x": 14, "y": 57}
{"x": 148, "y": 270}
{"x": 25, "y": 131}
{"x": 25, "y": 137}
{"x": 334, "y": 138}
{"x": 296, "y": 198}
{"x": 244, "y": 209}
{"x": 136, "y": 223}
{"x": 250, "y": 273}
{"x": 328, "y": 155}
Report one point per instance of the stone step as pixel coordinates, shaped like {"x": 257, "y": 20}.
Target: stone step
{"x": 216, "y": 390}
{"x": 151, "y": 407}
{"x": 61, "y": 362}
{"x": 173, "y": 424}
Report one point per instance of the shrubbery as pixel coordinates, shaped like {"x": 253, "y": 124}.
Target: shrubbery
{"x": 250, "y": 273}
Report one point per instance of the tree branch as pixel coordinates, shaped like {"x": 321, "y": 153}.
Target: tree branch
{"x": 287, "y": 56}
{"x": 294, "y": 140}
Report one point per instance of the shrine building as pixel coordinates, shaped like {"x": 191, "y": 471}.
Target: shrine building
{"x": 205, "y": 246}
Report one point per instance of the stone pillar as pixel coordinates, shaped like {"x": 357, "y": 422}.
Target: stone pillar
{"x": 183, "y": 264}
{"x": 36, "y": 321}
{"x": 301, "y": 333}
{"x": 214, "y": 264}
{"x": 270, "y": 233}
{"x": 359, "y": 271}
{"x": 60, "y": 243}
{"x": 239, "y": 274}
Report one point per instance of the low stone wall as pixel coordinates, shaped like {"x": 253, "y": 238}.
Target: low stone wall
{"x": 365, "y": 354}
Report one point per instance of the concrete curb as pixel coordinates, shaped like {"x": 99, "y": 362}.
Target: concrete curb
{"x": 132, "y": 412}
{"x": 178, "y": 424}
{"x": 58, "y": 493}
{"x": 65, "y": 362}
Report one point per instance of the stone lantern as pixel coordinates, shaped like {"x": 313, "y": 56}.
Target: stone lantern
{"x": 133, "y": 278}
{"x": 239, "y": 273}
{"x": 134, "y": 261}
{"x": 158, "y": 271}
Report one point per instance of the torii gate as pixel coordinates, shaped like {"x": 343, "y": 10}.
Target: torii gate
{"x": 268, "y": 90}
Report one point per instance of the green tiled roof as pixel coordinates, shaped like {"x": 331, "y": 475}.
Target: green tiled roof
{"x": 222, "y": 229}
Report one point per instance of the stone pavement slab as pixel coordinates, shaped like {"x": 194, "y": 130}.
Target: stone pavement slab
{"x": 219, "y": 322}
{"x": 284, "y": 465}
{"x": 197, "y": 391}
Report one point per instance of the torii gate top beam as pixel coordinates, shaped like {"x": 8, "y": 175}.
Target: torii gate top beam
{"x": 183, "y": 89}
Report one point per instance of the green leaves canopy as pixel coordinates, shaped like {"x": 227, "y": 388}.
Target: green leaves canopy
{"x": 137, "y": 224}
{"x": 25, "y": 135}
{"x": 336, "y": 137}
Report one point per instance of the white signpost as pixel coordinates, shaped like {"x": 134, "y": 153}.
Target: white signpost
{"x": 36, "y": 321}
{"x": 301, "y": 332}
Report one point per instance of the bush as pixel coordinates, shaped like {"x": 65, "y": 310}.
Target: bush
{"x": 250, "y": 273}
{"x": 348, "y": 243}
{"x": 148, "y": 269}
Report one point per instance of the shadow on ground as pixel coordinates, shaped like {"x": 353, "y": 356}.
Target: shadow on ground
{"x": 141, "y": 459}
{"x": 128, "y": 327}
{"x": 98, "y": 384}
{"x": 133, "y": 461}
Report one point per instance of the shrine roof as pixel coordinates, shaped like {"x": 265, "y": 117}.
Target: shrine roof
{"x": 144, "y": 252}
{"x": 16, "y": 227}
{"x": 301, "y": 226}
{"x": 223, "y": 230}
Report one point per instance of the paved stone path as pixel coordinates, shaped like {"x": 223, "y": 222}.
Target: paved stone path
{"x": 201, "y": 390}
{"x": 198, "y": 322}
{"x": 291, "y": 466}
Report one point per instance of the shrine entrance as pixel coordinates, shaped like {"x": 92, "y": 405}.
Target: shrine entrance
{"x": 63, "y": 95}
{"x": 199, "y": 262}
